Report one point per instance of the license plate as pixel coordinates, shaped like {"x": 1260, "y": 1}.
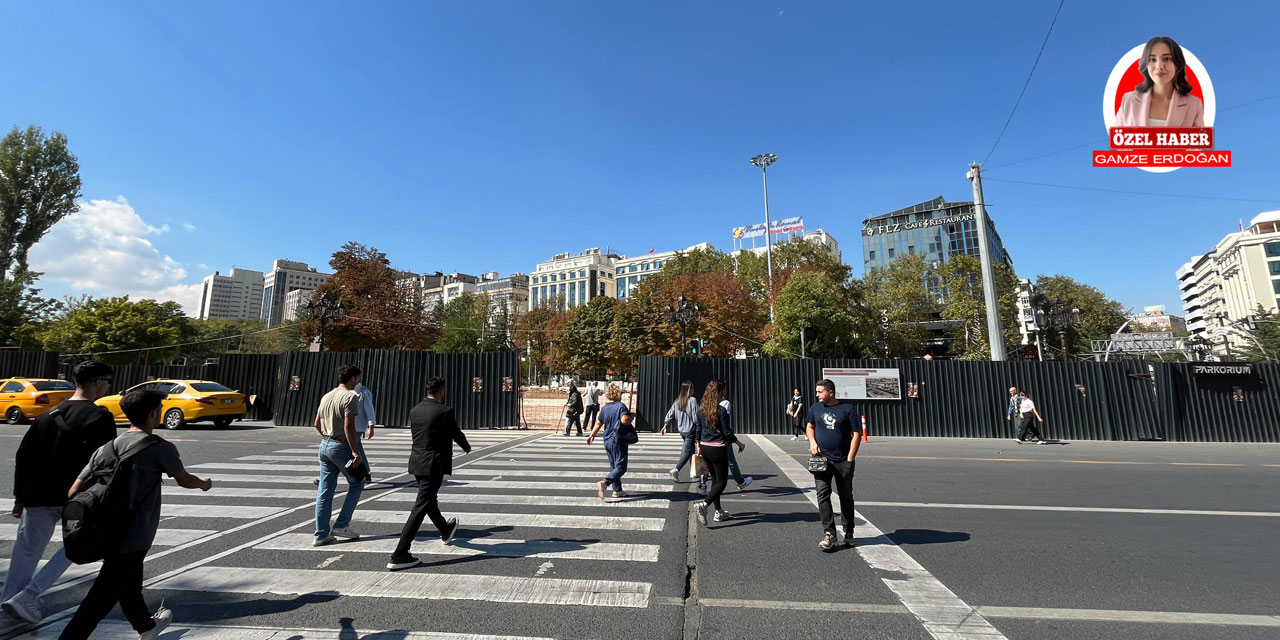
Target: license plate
{"x": 228, "y": 401}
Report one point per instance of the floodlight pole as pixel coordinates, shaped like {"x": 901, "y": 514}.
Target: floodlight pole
{"x": 763, "y": 161}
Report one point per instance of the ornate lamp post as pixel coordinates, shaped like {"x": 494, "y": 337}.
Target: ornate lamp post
{"x": 1199, "y": 347}
{"x": 1058, "y": 316}
{"x": 324, "y": 310}
{"x": 684, "y": 314}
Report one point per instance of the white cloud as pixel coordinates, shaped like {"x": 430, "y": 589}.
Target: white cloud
{"x": 191, "y": 228}
{"x": 104, "y": 249}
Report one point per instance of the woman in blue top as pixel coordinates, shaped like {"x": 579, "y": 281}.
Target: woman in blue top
{"x": 714, "y": 436}
{"x": 614, "y": 417}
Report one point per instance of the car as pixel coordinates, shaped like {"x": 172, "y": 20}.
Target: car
{"x": 188, "y": 401}
{"x": 24, "y": 398}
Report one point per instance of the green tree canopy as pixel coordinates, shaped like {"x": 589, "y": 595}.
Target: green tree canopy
{"x": 586, "y": 336}
{"x": 812, "y": 302}
{"x": 39, "y": 184}
{"x": 1267, "y": 335}
{"x": 965, "y": 306}
{"x": 1101, "y": 316}
{"x": 101, "y": 325}
{"x": 896, "y": 306}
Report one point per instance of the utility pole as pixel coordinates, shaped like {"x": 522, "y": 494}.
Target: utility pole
{"x": 995, "y": 336}
{"x": 551, "y": 356}
{"x": 763, "y": 161}
{"x": 801, "y": 343}
{"x": 1226, "y": 340}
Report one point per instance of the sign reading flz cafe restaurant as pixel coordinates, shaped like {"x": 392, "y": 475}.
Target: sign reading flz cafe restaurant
{"x": 918, "y": 224}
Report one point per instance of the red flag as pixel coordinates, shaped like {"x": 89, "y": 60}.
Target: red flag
{"x": 651, "y": 251}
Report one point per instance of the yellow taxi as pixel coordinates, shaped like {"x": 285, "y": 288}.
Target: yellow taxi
{"x": 24, "y": 398}
{"x": 188, "y": 401}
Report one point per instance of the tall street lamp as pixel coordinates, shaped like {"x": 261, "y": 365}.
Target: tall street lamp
{"x": 684, "y": 314}
{"x": 763, "y": 161}
{"x": 324, "y": 310}
{"x": 1059, "y": 316}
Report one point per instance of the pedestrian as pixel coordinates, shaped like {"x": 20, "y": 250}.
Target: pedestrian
{"x": 681, "y": 416}
{"x": 120, "y": 578}
{"x": 834, "y": 434}
{"x": 434, "y": 429}
{"x": 615, "y": 419}
{"x": 336, "y": 423}
{"x": 1028, "y": 410}
{"x": 52, "y": 453}
{"x": 715, "y": 441}
{"x": 366, "y": 418}
{"x": 1014, "y": 412}
{"x": 798, "y": 411}
{"x": 742, "y": 481}
{"x": 573, "y": 410}
{"x": 592, "y": 401}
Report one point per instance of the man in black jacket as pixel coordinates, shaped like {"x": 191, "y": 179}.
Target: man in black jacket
{"x": 434, "y": 430}
{"x": 53, "y": 451}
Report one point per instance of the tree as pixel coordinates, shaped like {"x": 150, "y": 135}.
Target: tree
{"x": 463, "y": 324}
{"x": 732, "y": 319}
{"x": 102, "y": 325}
{"x": 964, "y": 304}
{"x": 812, "y": 303}
{"x": 39, "y": 184}
{"x": 586, "y": 335}
{"x": 789, "y": 257}
{"x": 637, "y": 326}
{"x": 1267, "y": 333}
{"x": 378, "y": 312}
{"x": 533, "y": 337}
{"x": 22, "y": 309}
{"x": 1101, "y": 315}
{"x": 896, "y": 304}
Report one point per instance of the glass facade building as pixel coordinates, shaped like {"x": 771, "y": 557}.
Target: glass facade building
{"x": 935, "y": 229}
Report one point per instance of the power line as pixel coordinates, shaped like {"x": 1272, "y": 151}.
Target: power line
{"x": 1136, "y": 193}
{"x": 1027, "y": 83}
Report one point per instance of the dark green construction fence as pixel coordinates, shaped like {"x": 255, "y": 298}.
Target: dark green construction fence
{"x": 1126, "y": 400}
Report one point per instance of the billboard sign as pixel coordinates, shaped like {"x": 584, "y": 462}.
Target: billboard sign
{"x": 750, "y": 231}
{"x": 786, "y": 225}
{"x": 865, "y": 384}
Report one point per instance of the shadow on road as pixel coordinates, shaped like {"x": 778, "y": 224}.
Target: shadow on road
{"x": 209, "y": 607}
{"x": 926, "y": 536}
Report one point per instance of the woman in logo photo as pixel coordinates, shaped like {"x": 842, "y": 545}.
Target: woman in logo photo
{"x": 1163, "y": 99}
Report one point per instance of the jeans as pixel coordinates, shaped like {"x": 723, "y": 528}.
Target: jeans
{"x": 589, "y": 418}
{"x": 718, "y": 463}
{"x": 617, "y": 463}
{"x": 119, "y": 580}
{"x": 1029, "y": 424}
{"x": 573, "y": 419}
{"x": 733, "y": 470}
{"x": 34, "y": 531}
{"x": 333, "y": 455}
{"x": 426, "y": 506}
{"x": 842, "y": 473}
{"x": 690, "y": 445}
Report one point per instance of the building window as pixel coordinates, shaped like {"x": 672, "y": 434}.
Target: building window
{"x": 911, "y": 249}
{"x": 1273, "y": 249}
{"x": 644, "y": 267}
{"x": 582, "y": 273}
{"x": 890, "y": 252}
{"x": 1275, "y": 267}
{"x": 872, "y": 256}
{"x": 1275, "y": 285}
{"x": 582, "y": 291}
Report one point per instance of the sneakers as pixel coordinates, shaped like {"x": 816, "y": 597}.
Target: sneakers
{"x": 702, "y": 491}
{"x": 721, "y": 516}
{"x": 1017, "y": 441}
{"x": 320, "y": 542}
{"x": 702, "y": 514}
{"x": 345, "y": 533}
{"x": 619, "y": 494}
{"x": 828, "y": 541}
{"x": 794, "y": 438}
{"x": 400, "y": 563}
{"x": 1043, "y": 442}
{"x": 600, "y": 489}
{"x": 848, "y": 539}
{"x": 675, "y": 475}
{"x": 162, "y": 617}
{"x": 745, "y": 483}
{"x": 23, "y": 607}
{"x": 447, "y": 537}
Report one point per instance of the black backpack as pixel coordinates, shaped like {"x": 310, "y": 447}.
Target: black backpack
{"x": 96, "y": 521}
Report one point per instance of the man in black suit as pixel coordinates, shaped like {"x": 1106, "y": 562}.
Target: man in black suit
{"x": 434, "y": 430}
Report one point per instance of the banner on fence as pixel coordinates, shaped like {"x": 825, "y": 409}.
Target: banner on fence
{"x": 865, "y": 384}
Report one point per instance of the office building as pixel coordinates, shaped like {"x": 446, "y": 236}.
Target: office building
{"x": 237, "y": 295}
{"x": 1231, "y": 281}
{"x": 286, "y": 276}
{"x": 819, "y": 237}
{"x": 935, "y": 229}
{"x": 570, "y": 280}
{"x": 295, "y": 304}
{"x": 510, "y": 293}
{"x": 1155, "y": 319}
{"x": 630, "y": 272}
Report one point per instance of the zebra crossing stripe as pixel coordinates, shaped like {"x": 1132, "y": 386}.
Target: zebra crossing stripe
{"x": 217, "y": 511}
{"x": 411, "y": 585}
{"x": 536, "y": 520}
{"x": 251, "y": 466}
{"x": 262, "y": 480}
{"x": 601, "y": 465}
{"x": 553, "y": 486}
{"x": 116, "y": 630}
{"x": 238, "y": 492}
{"x": 544, "y": 473}
{"x": 164, "y": 537}
{"x": 315, "y": 460}
{"x": 558, "y": 549}
{"x": 541, "y": 501}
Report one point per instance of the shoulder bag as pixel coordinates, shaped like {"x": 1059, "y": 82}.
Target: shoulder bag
{"x": 818, "y": 464}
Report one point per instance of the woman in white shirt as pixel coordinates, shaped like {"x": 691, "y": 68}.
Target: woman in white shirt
{"x": 1028, "y": 411}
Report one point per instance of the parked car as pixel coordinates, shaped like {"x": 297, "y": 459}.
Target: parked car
{"x": 24, "y": 398}
{"x": 188, "y": 401}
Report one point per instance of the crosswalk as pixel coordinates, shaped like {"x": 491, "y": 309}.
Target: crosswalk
{"x": 533, "y": 499}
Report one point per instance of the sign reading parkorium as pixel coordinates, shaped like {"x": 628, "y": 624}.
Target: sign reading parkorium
{"x": 872, "y": 230}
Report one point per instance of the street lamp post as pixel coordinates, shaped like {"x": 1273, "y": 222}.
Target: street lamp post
{"x": 684, "y": 314}
{"x": 1058, "y": 316}
{"x": 324, "y": 310}
{"x": 1226, "y": 340}
{"x": 763, "y": 161}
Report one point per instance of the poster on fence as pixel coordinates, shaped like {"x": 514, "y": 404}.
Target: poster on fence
{"x": 865, "y": 384}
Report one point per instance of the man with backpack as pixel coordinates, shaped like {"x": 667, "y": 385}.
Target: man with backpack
{"x": 54, "y": 450}
{"x": 130, "y": 508}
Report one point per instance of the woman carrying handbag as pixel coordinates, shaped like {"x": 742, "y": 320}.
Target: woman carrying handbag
{"x": 615, "y": 419}
{"x": 681, "y": 418}
{"x": 715, "y": 436}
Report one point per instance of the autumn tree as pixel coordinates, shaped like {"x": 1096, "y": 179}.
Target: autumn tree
{"x": 964, "y": 305}
{"x": 586, "y": 334}
{"x": 732, "y": 319}
{"x": 378, "y": 313}
{"x": 814, "y": 308}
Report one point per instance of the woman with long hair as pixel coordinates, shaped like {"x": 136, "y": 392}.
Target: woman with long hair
{"x": 573, "y": 410}
{"x": 615, "y": 419}
{"x": 798, "y": 412}
{"x": 1163, "y": 98}
{"x": 681, "y": 416}
{"x": 715, "y": 436}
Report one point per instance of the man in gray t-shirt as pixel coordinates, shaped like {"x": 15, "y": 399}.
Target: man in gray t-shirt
{"x": 120, "y": 579}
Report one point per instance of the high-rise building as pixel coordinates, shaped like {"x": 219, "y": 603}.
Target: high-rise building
{"x": 236, "y": 295}
{"x": 935, "y": 229}
{"x": 510, "y": 293}
{"x": 1155, "y": 318}
{"x": 571, "y": 280}
{"x": 1226, "y": 285}
{"x": 286, "y": 276}
{"x": 630, "y": 272}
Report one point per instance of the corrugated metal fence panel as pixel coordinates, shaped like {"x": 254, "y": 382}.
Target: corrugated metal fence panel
{"x": 317, "y": 374}
{"x": 1205, "y": 408}
{"x": 255, "y": 374}
{"x": 128, "y": 375}
{"x": 28, "y": 364}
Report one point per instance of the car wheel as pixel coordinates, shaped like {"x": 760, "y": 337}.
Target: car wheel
{"x": 14, "y": 416}
{"x": 222, "y": 422}
{"x": 173, "y": 419}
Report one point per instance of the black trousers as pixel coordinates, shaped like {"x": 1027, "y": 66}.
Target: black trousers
{"x": 427, "y": 505}
{"x": 1029, "y": 424}
{"x": 718, "y": 463}
{"x": 574, "y": 419}
{"x": 841, "y": 475}
{"x": 119, "y": 580}
{"x": 589, "y": 418}
{"x": 799, "y": 427}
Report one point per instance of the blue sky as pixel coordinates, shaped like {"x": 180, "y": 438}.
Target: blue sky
{"x": 473, "y": 136}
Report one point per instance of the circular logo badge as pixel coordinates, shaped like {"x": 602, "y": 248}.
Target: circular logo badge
{"x": 1126, "y": 75}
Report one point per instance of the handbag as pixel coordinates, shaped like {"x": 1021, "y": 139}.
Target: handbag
{"x": 628, "y": 435}
{"x": 818, "y": 464}
{"x": 700, "y": 465}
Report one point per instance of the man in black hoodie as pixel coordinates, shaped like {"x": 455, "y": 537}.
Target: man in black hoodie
{"x": 53, "y": 451}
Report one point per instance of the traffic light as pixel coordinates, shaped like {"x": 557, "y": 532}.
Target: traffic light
{"x": 1252, "y": 321}
{"x": 693, "y": 346}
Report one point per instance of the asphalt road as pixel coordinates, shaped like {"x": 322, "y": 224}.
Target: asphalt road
{"x": 978, "y": 538}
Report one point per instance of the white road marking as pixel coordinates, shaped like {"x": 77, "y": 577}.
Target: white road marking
{"x": 542, "y": 473}
{"x": 638, "y": 502}
{"x": 251, "y": 466}
{"x": 266, "y": 480}
{"x": 327, "y": 561}
{"x": 178, "y": 493}
{"x": 543, "y": 569}
{"x": 506, "y": 548}
{"x": 164, "y": 537}
{"x": 116, "y": 630}
{"x": 599, "y": 465}
{"x": 943, "y": 614}
{"x": 1020, "y": 507}
{"x": 538, "y": 520}
{"x": 554, "y": 486}
{"x": 1106, "y": 615}
{"x": 217, "y": 511}
{"x": 413, "y": 585}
